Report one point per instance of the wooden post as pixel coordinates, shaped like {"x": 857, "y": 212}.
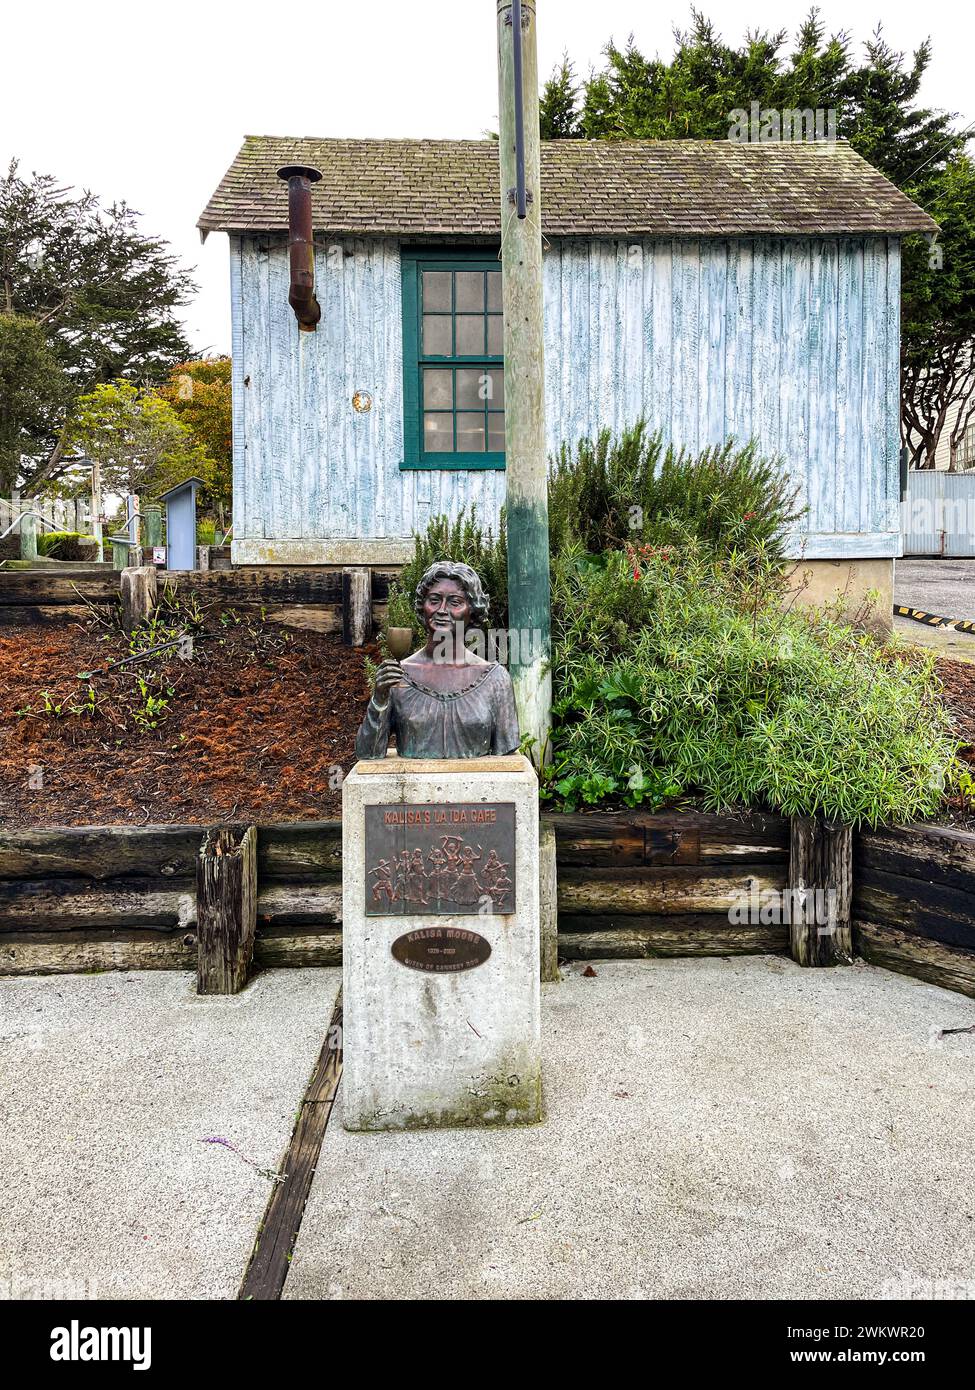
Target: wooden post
{"x": 120, "y": 555}
{"x": 139, "y": 591}
{"x": 152, "y": 525}
{"x": 28, "y": 537}
{"x": 524, "y": 387}
{"x": 821, "y": 884}
{"x": 356, "y": 605}
{"x": 548, "y": 900}
{"x": 226, "y": 909}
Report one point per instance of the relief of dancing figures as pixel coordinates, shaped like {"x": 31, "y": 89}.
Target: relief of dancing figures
{"x": 455, "y": 875}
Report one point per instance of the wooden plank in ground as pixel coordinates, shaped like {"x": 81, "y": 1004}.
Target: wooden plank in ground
{"x": 922, "y": 907}
{"x": 34, "y": 587}
{"x": 269, "y": 584}
{"x": 907, "y": 954}
{"x": 287, "y": 947}
{"x": 308, "y": 850}
{"x": 300, "y": 904}
{"x": 357, "y": 622}
{"x": 705, "y": 923}
{"x": 604, "y": 839}
{"x": 101, "y": 851}
{"x": 77, "y": 952}
{"x": 931, "y": 852}
{"x": 821, "y": 880}
{"x": 226, "y": 906}
{"x": 65, "y": 904}
{"x": 671, "y": 890}
{"x": 641, "y": 943}
{"x": 278, "y": 1232}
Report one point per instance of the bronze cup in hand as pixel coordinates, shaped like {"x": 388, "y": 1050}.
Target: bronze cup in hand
{"x": 399, "y": 640}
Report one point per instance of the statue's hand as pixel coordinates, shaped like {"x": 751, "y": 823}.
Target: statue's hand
{"x": 390, "y": 673}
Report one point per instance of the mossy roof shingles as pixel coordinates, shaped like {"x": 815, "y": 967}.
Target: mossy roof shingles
{"x": 590, "y": 188}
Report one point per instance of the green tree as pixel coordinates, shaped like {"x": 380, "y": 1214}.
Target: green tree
{"x": 137, "y": 438}
{"x": 558, "y": 116}
{"x": 103, "y": 293}
{"x": 33, "y": 392}
{"x": 938, "y": 372}
{"x": 200, "y": 394}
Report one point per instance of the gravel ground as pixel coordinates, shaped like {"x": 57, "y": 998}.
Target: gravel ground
{"x": 721, "y": 1128}
{"x": 109, "y": 1083}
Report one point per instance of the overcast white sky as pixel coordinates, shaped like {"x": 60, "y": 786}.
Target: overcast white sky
{"x": 150, "y": 103}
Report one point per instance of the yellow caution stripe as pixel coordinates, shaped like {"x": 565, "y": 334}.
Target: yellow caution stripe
{"x": 934, "y": 619}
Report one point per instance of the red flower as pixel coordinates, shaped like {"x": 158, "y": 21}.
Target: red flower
{"x": 748, "y": 516}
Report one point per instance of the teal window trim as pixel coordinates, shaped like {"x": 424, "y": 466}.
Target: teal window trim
{"x": 436, "y": 258}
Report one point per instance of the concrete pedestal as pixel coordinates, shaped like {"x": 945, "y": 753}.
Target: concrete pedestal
{"x": 439, "y": 1040}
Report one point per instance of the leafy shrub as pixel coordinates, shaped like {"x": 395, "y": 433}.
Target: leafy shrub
{"x": 67, "y": 545}
{"x": 630, "y": 488}
{"x": 678, "y": 672}
{"x": 461, "y": 540}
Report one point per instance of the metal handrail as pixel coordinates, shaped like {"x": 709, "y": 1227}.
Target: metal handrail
{"x": 17, "y": 520}
{"x": 126, "y": 540}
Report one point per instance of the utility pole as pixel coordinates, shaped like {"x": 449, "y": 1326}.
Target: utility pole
{"x": 524, "y": 371}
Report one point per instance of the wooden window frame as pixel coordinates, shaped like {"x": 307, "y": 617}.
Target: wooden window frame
{"x": 412, "y": 261}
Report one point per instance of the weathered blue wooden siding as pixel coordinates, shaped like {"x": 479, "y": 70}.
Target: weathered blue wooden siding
{"x": 794, "y": 341}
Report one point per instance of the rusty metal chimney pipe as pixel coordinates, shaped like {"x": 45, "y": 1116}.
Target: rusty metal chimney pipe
{"x": 301, "y": 244}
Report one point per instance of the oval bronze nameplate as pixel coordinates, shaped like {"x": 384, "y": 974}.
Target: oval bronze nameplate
{"x": 441, "y": 950}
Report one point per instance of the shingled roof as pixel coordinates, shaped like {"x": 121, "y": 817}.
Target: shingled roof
{"x": 418, "y": 188}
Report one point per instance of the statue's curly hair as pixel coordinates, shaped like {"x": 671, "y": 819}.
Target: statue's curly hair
{"x": 477, "y": 595}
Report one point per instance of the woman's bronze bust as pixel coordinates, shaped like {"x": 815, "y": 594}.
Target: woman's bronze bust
{"x": 443, "y": 701}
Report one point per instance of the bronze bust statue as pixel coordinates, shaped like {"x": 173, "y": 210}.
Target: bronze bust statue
{"x": 443, "y": 701}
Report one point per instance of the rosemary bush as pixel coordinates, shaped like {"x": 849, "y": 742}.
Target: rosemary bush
{"x": 462, "y": 540}
{"x": 605, "y": 493}
{"x": 675, "y": 672}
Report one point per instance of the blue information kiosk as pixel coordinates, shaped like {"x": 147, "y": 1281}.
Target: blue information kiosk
{"x": 181, "y": 524}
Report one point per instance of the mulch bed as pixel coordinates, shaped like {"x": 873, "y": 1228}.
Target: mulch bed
{"x": 258, "y": 724}
{"x": 259, "y": 721}
{"x": 958, "y": 679}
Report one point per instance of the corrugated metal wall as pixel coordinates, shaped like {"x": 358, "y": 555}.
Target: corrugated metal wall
{"x": 939, "y": 514}
{"x": 793, "y": 340}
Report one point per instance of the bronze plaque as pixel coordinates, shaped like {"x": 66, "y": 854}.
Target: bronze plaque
{"x": 441, "y": 949}
{"x": 453, "y": 857}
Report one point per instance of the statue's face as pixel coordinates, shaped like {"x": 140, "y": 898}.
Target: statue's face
{"x": 444, "y": 605}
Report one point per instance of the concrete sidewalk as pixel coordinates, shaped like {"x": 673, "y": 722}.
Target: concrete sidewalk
{"x": 109, "y": 1082}
{"x": 720, "y": 1128}
{"x": 723, "y": 1128}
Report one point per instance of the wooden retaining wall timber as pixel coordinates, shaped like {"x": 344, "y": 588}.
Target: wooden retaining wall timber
{"x": 313, "y": 592}
{"x": 641, "y": 885}
{"x": 630, "y": 885}
{"x": 914, "y": 903}
{"x": 120, "y": 897}
{"x": 117, "y": 897}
